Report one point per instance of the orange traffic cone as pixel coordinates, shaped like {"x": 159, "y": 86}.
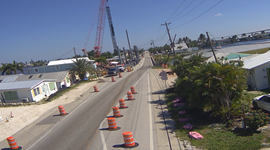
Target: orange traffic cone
{"x": 62, "y": 110}
{"x": 96, "y": 89}
{"x": 120, "y": 75}
{"x": 122, "y": 104}
{"x": 130, "y": 96}
{"x": 113, "y": 80}
{"x": 13, "y": 144}
{"x": 116, "y": 112}
{"x": 112, "y": 124}
{"x": 133, "y": 91}
{"x": 128, "y": 140}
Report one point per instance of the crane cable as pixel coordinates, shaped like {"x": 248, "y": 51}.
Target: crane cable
{"x": 90, "y": 31}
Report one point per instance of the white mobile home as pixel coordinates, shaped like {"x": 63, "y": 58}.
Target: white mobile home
{"x": 258, "y": 71}
{"x": 26, "y": 91}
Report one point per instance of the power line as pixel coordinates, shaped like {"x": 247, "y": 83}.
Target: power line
{"x": 199, "y": 15}
{"x": 190, "y": 11}
{"x": 176, "y": 10}
{"x": 62, "y": 55}
{"x": 184, "y": 9}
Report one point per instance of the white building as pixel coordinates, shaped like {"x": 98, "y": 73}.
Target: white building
{"x": 26, "y": 91}
{"x": 259, "y": 71}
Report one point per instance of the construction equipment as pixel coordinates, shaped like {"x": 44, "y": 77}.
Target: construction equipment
{"x": 100, "y": 27}
{"x": 100, "y": 30}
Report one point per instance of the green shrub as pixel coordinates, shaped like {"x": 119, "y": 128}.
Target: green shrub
{"x": 256, "y": 118}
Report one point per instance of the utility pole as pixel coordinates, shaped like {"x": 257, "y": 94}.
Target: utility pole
{"x": 211, "y": 47}
{"x": 153, "y": 43}
{"x": 75, "y": 54}
{"x": 125, "y": 54}
{"x": 172, "y": 45}
{"x": 129, "y": 46}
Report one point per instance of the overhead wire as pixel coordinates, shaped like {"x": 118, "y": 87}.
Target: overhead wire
{"x": 175, "y": 10}
{"x": 184, "y": 9}
{"x": 62, "y": 55}
{"x": 189, "y": 11}
{"x": 199, "y": 15}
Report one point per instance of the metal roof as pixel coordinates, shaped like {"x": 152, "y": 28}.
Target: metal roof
{"x": 66, "y": 61}
{"x": 56, "y": 76}
{"x": 8, "y": 78}
{"x": 20, "y": 85}
{"x": 257, "y": 61}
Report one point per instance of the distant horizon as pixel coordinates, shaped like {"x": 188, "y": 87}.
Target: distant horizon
{"x": 48, "y": 30}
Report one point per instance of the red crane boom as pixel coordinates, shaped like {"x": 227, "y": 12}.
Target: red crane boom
{"x": 100, "y": 27}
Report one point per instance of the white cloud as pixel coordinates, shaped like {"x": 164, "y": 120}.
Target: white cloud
{"x": 217, "y": 15}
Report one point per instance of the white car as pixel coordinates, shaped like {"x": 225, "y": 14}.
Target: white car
{"x": 120, "y": 68}
{"x": 262, "y": 102}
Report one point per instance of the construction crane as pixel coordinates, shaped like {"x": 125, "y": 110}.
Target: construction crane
{"x": 115, "y": 47}
{"x": 100, "y": 27}
{"x": 100, "y": 30}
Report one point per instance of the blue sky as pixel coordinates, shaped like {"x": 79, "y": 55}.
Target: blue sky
{"x": 48, "y": 30}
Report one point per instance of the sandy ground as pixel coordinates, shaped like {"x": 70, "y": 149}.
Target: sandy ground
{"x": 25, "y": 115}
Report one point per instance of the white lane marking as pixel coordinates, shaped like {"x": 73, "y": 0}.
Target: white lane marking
{"x": 150, "y": 117}
{"x": 100, "y": 125}
{"x": 65, "y": 117}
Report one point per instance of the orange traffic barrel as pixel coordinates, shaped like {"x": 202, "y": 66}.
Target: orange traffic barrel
{"x": 133, "y": 91}
{"x": 112, "y": 124}
{"x": 113, "y": 80}
{"x": 12, "y": 143}
{"x": 120, "y": 75}
{"x": 122, "y": 104}
{"x": 128, "y": 140}
{"x": 130, "y": 96}
{"x": 96, "y": 89}
{"x": 62, "y": 110}
{"x": 116, "y": 112}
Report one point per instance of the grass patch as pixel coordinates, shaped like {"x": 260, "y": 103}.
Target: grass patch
{"x": 217, "y": 136}
{"x": 258, "y": 51}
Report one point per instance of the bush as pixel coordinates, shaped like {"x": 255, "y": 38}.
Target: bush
{"x": 256, "y": 118}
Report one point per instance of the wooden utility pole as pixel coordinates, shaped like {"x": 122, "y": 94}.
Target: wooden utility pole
{"x": 153, "y": 43}
{"x": 211, "y": 47}
{"x": 75, "y": 54}
{"x": 172, "y": 44}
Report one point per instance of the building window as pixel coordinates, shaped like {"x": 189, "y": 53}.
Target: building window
{"x": 35, "y": 70}
{"x": 67, "y": 78}
{"x": 11, "y": 95}
{"x": 52, "y": 86}
{"x": 37, "y": 91}
{"x": 57, "y": 67}
{"x": 30, "y": 76}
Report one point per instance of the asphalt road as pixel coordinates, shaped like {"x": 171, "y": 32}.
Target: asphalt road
{"x": 80, "y": 129}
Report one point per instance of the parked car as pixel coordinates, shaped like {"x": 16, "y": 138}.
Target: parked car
{"x": 113, "y": 71}
{"x": 121, "y": 68}
{"x": 262, "y": 102}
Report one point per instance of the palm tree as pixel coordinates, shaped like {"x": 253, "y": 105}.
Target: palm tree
{"x": 101, "y": 60}
{"x": 8, "y": 69}
{"x": 81, "y": 68}
{"x": 18, "y": 66}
